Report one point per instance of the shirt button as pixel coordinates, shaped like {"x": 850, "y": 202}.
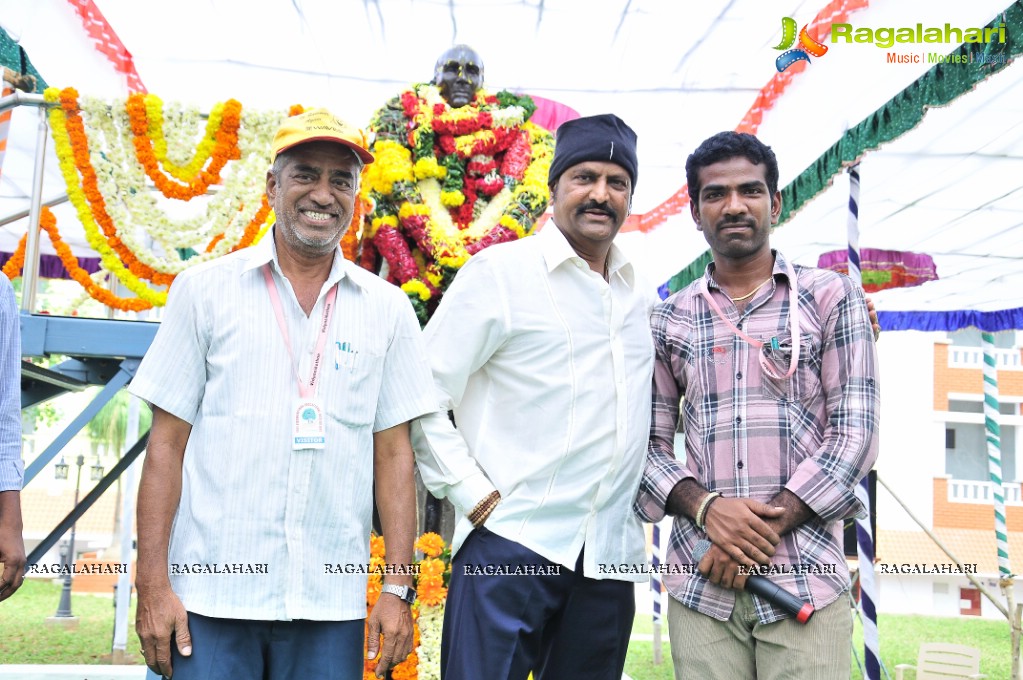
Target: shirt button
{"x": 738, "y": 376}
{"x": 739, "y": 465}
{"x": 739, "y": 325}
{"x": 738, "y": 420}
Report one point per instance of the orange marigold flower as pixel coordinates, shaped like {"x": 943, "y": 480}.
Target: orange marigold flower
{"x": 430, "y": 544}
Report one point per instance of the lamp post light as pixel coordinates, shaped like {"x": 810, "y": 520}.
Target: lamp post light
{"x": 64, "y": 608}
{"x": 60, "y": 469}
{"x": 96, "y": 471}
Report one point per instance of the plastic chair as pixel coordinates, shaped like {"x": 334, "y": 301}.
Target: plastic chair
{"x": 941, "y": 661}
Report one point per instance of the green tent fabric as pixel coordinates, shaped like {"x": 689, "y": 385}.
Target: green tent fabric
{"x": 939, "y": 86}
{"x": 13, "y": 57}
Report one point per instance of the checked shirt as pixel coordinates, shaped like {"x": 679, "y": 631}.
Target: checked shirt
{"x": 748, "y": 435}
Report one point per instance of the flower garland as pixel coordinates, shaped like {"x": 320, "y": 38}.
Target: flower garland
{"x": 240, "y": 202}
{"x": 448, "y": 182}
{"x": 433, "y": 573}
{"x": 106, "y": 152}
{"x": 72, "y": 155}
{"x": 48, "y": 222}
{"x": 108, "y": 190}
{"x": 225, "y": 148}
{"x": 184, "y": 172}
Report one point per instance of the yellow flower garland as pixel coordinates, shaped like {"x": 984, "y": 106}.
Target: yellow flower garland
{"x": 107, "y": 186}
{"x": 108, "y": 259}
{"x": 187, "y": 173}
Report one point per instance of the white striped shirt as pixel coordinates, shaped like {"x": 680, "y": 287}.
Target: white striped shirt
{"x": 12, "y": 469}
{"x": 219, "y": 362}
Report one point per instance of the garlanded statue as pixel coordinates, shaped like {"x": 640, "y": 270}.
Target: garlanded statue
{"x": 458, "y": 168}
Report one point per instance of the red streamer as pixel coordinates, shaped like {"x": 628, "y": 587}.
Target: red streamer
{"x": 837, "y": 11}
{"x": 107, "y": 42}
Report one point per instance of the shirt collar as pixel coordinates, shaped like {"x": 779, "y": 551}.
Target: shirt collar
{"x": 557, "y": 250}
{"x": 779, "y": 268}
{"x": 266, "y": 251}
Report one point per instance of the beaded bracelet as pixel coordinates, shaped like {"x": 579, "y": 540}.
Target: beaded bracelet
{"x": 483, "y": 509}
{"x": 704, "y": 506}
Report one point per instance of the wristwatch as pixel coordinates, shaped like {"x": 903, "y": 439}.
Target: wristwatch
{"x": 406, "y": 593}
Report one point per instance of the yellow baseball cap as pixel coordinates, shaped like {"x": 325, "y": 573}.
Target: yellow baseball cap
{"x": 319, "y": 125}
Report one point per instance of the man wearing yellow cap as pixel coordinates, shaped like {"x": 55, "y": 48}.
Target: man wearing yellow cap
{"x": 282, "y": 381}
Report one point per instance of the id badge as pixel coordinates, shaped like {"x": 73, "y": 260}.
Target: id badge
{"x": 308, "y": 427}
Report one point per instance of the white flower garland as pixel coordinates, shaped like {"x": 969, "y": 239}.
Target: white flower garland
{"x": 133, "y": 205}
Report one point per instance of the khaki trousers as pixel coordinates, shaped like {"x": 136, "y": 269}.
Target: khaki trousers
{"x": 742, "y": 648}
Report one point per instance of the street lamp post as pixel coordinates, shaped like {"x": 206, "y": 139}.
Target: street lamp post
{"x": 64, "y": 608}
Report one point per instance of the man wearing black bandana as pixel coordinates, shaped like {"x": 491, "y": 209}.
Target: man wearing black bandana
{"x": 542, "y": 349}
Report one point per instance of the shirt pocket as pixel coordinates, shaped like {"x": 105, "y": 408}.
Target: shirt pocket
{"x": 804, "y": 384}
{"x": 358, "y": 372}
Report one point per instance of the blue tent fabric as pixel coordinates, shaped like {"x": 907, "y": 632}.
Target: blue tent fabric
{"x": 992, "y": 322}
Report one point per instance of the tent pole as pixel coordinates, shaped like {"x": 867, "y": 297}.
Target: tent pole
{"x": 30, "y": 274}
{"x": 16, "y": 99}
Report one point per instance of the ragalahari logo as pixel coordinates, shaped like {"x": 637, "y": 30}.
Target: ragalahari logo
{"x": 807, "y": 45}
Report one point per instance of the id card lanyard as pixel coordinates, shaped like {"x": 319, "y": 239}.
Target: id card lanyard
{"x": 307, "y": 421}
{"x": 793, "y": 320}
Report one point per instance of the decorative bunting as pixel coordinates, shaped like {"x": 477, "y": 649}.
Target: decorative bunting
{"x": 107, "y": 42}
{"x": 940, "y": 86}
{"x": 836, "y": 11}
{"x": 882, "y": 269}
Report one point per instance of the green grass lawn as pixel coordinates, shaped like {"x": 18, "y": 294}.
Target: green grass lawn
{"x": 900, "y": 638}
{"x": 26, "y": 638}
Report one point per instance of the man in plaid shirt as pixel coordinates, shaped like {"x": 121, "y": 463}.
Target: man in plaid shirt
{"x": 779, "y": 403}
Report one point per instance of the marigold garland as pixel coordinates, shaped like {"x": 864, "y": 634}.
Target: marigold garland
{"x": 228, "y": 211}
{"x": 448, "y": 182}
{"x": 12, "y": 268}
{"x": 187, "y": 172}
{"x": 92, "y": 196}
{"x": 48, "y": 222}
{"x": 72, "y": 155}
{"x": 225, "y": 149}
{"x": 434, "y": 571}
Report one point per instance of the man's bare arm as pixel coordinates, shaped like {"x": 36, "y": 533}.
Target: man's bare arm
{"x": 160, "y": 613}
{"x": 393, "y": 463}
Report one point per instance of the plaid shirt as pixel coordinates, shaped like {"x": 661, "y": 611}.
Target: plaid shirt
{"x": 748, "y": 435}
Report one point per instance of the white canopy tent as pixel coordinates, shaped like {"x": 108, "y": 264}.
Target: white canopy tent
{"x": 951, "y": 188}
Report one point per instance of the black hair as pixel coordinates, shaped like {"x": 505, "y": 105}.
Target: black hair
{"x": 727, "y": 145}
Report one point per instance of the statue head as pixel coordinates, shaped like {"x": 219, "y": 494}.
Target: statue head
{"x": 459, "y": 74}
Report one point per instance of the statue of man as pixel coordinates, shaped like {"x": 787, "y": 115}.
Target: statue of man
{"x": 459, "y": 74}
{"x": 459, "y": 168}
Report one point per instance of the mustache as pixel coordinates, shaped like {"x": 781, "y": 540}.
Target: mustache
{"x": 736, "y": 222}
{"x": 602, "y": 207}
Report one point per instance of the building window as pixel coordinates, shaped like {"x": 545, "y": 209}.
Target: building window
{"x": 977, "y": 406}
{"x": 970, "y": 337}
{"x": 966, "y": 452}
{"x": 969, "y": 602}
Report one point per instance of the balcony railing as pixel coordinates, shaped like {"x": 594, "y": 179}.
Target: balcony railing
{"x": 964, "y": 491}
{"x": 973, "y": 357}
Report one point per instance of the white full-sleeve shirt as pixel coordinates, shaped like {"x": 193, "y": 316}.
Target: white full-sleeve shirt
{"x": 547, "y": 368}
{"x": 258, "y": 523}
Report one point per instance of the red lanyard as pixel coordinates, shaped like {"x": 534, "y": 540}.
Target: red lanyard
{"x": 793, "y": 319}
{"x": 305, "y": 390}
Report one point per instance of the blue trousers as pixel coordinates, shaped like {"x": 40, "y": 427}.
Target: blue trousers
{"x": 560, "y": 626}
{"x": 270, "y": 650}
